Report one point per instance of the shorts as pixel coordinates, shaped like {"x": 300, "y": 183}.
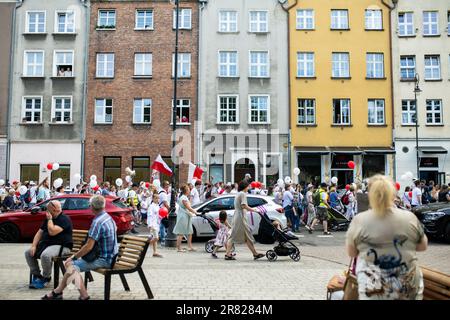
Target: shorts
{"x": 154, "y": 233}
{"x": 83, "y": 266}
{"x": 322, "y": 214}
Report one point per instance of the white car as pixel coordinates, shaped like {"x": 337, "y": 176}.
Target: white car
{"x": 212, "y": 207}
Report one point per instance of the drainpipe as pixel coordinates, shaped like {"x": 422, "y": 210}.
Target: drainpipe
{"x": 85, "y": 72}
{"x": 10, "y": 89}
{"x": 391, "y": 8}
{"x": 199, "y": 139}
{"x": 287, "y": 9}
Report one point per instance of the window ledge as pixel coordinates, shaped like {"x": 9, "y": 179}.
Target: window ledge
{"x": 33, "y": 77}
{"x": 230, "y": 32}
{"x": 407, "y": 79}
{"x": 144, "y": 29}
{"x": 306, "y": 30}
{"x": 141, "y": 123}
{"x": 374, "y": 29}
{"x": 182, "y": 124}
{"x": 341, "y": 125}
{"x": 64, "y": 33}
{"x": 306, "y": 125}
{"x": 61, "y": 123}
{"x": 227, "y": 123}
{"x": 258, "y": 123}
{"x": 377, "y": 125}
{"x": 408, "y": 125}
{"x": 431, "y": 35}
{"x": 63, "y": 77}
{"x": 31, "y": 123}
{"x": 433, "y": 80}
{"x": 434, "y": 125}
{"x": 105, "y": 29}
{"x": 306, "y": 78}
{"x": 34, "y": 33}
{"x": 256, "y": 78}
{"x": 407, "y": 36}
{"x": 341, "y": 78}
{"x": 103, "y": 123}
{"x": 182, "y": 29}
{"x": 347, "y": 29}
{"x": 259, "y": 32}
{"x": 142, "y": 77}
{"x": 228, "y": 77}
{"x": 383, "y": 78}
{"x": 182, "y": 78}
{"x": 104, "y": 78}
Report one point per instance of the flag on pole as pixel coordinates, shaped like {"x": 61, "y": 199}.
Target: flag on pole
{"x": 160, "y": 166}
{"x": 194, "y": 172}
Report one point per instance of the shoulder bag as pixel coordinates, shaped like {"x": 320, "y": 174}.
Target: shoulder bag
{"x": 351, "y": 282}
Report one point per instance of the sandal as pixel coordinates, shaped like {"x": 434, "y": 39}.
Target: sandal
{"x": 192, "y": 250}
{"x": 229, "y": 257}
{"x": 88, "y": 298}
{"x": 181, "y": 250}
{"x": 157, "y": 255}
{"x": 328, "y": 233}
{"x": 55, "y": 296}
{"x": 258, "y": 256}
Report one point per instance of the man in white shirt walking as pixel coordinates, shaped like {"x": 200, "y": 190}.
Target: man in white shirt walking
{"x": 416, "y": 195}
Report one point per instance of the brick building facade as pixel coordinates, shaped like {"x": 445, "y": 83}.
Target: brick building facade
{"x": 130, "y": 68}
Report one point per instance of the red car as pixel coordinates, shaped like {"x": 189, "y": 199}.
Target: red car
{"x": 19, "y": 225}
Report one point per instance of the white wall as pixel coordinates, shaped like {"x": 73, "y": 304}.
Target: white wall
{"x": 43, "y": 153}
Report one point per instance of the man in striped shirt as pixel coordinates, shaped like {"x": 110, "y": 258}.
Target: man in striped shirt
{"x": 103, "y": 234}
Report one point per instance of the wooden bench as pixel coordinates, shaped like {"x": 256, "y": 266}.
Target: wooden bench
{"x": 436, "y": 285}
{"x": 130, "y": 257}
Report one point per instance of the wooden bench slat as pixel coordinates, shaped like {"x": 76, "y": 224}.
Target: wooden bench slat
{"x": 124, "y": 264}
{"x": 436, "y": 288}
{"x": 128, "y": 260}
{"x": 134, "y": 247}
{"x": 436, "y": 276}
{"x": 144, "y": 239}
{"x": 434, "y": 295}
{"x": 130, "y": 256}
{"x": 136, "y": 243}
{"x": 130, "y": 251}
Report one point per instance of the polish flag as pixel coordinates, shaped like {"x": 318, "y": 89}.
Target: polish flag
{"x": 194, "y": 172}
{"x": 160, "y": 166}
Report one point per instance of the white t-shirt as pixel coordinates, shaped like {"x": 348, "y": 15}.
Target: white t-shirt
{"x": 416, "y": 193}
{"x": 195, "y": 197}
{"x": 163, "y": 197}
{"x": 153, "y": 220}
{"x": 33, "y": 194}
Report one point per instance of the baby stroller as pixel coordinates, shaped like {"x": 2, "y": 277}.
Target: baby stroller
{"x": 285, "y": 247}
{"x": 337, "y": 220}
{"x": 209, "y": 246}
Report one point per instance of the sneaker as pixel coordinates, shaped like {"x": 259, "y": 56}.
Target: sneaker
{"x": 328, "y": 233}
{"x": 34, "y": 279}
{"x": 41, "y": 283}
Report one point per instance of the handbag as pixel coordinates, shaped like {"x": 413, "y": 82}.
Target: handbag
{"x": 351, "y": 283}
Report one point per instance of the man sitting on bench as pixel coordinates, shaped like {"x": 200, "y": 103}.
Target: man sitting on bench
{"x": 98, "y": 252}
{"x": 53, "y": 238}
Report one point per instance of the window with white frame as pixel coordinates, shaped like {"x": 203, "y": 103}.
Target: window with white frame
{"x": 434, "y": 111}
{"x": 227, "y": 109}
{"x": 184, "y": 65}
{"x": 103, "y": 111}
{"x": 184, "y": 19}
{"x": 105, "y": 65}
{"x": 374, "y": 19}
{"x": 65, "y": 22}
{"x": 408, "y": 112}
{"x": 406, "y": 24}
{"x": 63, "y": 63}
{"x": 143, "y": 64}
{"x": 32, "y": 109}
{"x": 375, "y": 65}
{"x": 33, "y": 64}
{"x": 228, "y": 21}
{"x": 305, "y": 19}
{"x": 35, "y": 22}
{"x": 376, "y": 111}
{"x": 144, "y": 19}
{"x": 259, "y": 109}
{"x": 341, "y": 111}
{"x": 305, "y": 64}
{"x": 259, "y": 21}
{"x": 183, "y": 107}
{"x": 306, "y": 111}
{"x": 228, "y": 63}
{"x": 339, "y": 19}
{"x": 106, "y": 19}
{"x": 432, "y": 67}
{"x": 142, "y": 111}
{"x": 407, "y": 67}
{"x": 341, "y": 65}
{"x": 62, "y": 109}
{"x": 430, "y": 23}
{"x": 259, "y": 64}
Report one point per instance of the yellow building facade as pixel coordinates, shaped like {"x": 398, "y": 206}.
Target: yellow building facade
{"x": 340, "y": 89}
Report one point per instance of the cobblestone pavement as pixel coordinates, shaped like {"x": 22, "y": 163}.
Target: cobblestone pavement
{"x": 195, "y": 275}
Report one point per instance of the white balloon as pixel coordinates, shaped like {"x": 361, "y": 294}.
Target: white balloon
{"x": 119, "y": 182}
{"x": 296, "y": 171}
{"x": 281, "y": 185}
{"x": 93, "y": 177}
{"x": 334, "y": 180}
{"x": 409, "y": 175}
{"x": 157, "y": 183}
{"x": 403, "y": 177}
{"x": 2, "y": 182}
{"x": 93, "y": 183}
{"x": 77, "y": 177}
{"x": 287, "y": 180}
{"x": 57, "y": 183}
{"x": 128, "y": 179}
{"x": 56, "y": 166}
{"x": 133, "y": 173}
{"x": 23, "y": 190}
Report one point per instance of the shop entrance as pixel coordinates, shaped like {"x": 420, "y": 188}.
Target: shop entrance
{"x": 242, "y": 167}
{"x": 339, "y": 169}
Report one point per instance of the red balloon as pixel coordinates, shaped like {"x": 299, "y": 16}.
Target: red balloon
{"x": 17, "y": 194}
{"x": 410, "y": 194}
{"x": 95, "y": 188}
{"x": 347, "y": 187}
{"x": 397, "y": 186}
{"x": 254, "y": 184}
{"x": 163, "y": 212}
{"x": 147, "y": 185}
{"x": 351, "y": 164}
{"x": 49, "y": 166}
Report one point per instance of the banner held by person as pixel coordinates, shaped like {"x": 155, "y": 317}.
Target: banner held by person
{"x": 161, "y": 166}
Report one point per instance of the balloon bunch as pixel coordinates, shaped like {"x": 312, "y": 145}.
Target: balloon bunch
{"x": 53, "y": 166}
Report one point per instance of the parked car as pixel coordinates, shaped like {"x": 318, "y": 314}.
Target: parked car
{"x": 19, "y": 225}
{"x": 212, "y": 207}
{"x": 436, "y": 219}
